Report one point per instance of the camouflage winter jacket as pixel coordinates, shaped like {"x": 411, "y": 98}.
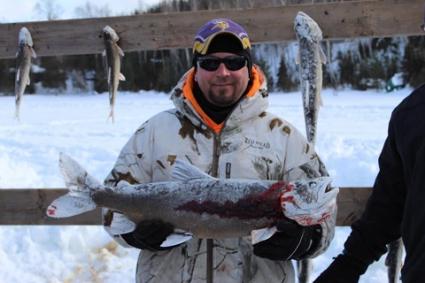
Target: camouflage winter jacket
{"x": 250, "y": 144}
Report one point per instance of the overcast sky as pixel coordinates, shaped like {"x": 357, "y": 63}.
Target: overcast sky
{"x": 23, "y": 10}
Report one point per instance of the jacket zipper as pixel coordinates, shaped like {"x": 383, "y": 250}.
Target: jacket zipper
{"x": 210, "y": 242}
{"x": 216, "y": 156}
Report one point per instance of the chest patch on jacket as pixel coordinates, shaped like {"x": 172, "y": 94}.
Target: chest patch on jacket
{"x": 256, "y": 143}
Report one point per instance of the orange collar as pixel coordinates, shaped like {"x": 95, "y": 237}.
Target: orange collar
{"x": 257, "y": 80}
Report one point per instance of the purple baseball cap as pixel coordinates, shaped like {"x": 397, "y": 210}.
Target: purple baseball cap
{"x": 211, "y": 29}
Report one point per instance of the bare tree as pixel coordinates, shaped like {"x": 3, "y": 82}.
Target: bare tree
{"x": 48, "y": 9}
{"x": 89, "y": 10}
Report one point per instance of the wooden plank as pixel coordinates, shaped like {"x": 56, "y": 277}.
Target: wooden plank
{"x": 28, "y": 207}
{"x": 338, "y": 20}
{"x": 351, "y": 204}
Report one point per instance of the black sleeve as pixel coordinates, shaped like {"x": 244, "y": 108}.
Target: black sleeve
{"x": 381, "y": 221}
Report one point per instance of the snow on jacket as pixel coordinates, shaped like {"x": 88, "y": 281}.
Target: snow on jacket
{"x": 250, "y": 144}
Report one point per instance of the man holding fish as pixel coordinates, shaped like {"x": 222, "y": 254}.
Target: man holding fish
{"x": 220, "y": 125}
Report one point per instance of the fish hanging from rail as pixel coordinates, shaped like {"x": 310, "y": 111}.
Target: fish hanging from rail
{"x": 23, "y": 67}
{"x": 112, "y": 54}
{"x": 310, "y": 59}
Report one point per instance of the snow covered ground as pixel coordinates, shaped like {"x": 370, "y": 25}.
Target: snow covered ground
{"x": 351, "y": 131}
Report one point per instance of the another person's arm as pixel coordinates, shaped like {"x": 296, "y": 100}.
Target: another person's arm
{"x": 380, "y": 223}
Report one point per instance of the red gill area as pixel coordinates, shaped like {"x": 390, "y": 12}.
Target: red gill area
{"x": 252, "y": 206}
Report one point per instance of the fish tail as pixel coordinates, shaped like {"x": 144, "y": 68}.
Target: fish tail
{"x": 17, "y": 116}
{"x": 17, "y": 106}
{"x": 112, "y": 115}
{"x": 81, "y": 187}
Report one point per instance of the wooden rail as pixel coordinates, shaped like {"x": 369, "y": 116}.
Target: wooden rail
{"x": 338, "y": 20}
{"x": 28, "y": 207}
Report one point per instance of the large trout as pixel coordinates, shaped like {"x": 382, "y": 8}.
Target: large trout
{"x": 197, "y": 203}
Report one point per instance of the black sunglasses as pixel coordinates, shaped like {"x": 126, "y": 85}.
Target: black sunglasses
{"x": 232, "y": 63}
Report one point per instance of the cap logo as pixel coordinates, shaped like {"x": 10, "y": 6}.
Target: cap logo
{"x": 221, "y": 25}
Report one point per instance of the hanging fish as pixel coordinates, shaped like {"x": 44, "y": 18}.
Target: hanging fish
{"x": 23, "y": 67}
{"x": 112, "y": 54}
{"x": 310, "y": 60}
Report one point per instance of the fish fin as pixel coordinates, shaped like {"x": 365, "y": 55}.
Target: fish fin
{"x": 80, "y": 184}
{"x": 69, "y": 205}
{"x": 184, "y": 171}
{"x": 263, "y": 234}
{"x": 121, "y": 77}
{"x": 322, "y": 54}
{"x": 76, "y": 177}
{"x": 18, "y": 74}
{"x": 120, "y": 224}
{"x": 109, "y": 75}
{"x": 33, "y": 54}
{"x": 120, "y": 51}
{"x": 176, "y": 238}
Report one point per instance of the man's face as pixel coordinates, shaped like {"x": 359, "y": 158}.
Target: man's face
{"x": 222, "y": 87}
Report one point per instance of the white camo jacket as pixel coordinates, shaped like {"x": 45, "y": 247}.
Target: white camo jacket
{"x": 253, "y": 144}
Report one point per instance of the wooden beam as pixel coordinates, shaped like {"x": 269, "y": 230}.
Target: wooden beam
{"x": 338, "y": 20}
{"x": 28, "y": 207}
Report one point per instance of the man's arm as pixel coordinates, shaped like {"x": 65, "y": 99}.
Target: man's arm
{"x": 133, "y": 166}
{"x": 303, "y": 163}
{"x": 293, "y": 241}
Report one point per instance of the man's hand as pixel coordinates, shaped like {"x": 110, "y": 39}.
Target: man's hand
{"x": 149, "y": 235}
{"x": 344, "y": 269}
{"x": 292, "y": 241}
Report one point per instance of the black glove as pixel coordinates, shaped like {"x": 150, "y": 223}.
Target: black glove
{"x": 344, "y": 269}
{"x": 292, "y": 241}
{"x": 149, "y": 235}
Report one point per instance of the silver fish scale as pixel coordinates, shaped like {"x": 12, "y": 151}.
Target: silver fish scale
{"x": 311, "y": 84}
{"x": 23, "y": 66}
{"x": 207, "y": 208}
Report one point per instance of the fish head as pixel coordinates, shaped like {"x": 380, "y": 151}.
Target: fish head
{"x": 305, "y": 27}
{"x": 310, "y": 201}
{"x": 110, "y": 34}
{"x": 320, "y": 184}
{"x": 25, "y": 37}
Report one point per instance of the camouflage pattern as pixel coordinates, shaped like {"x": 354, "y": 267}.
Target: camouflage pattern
{"x": 254, "y": 144}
